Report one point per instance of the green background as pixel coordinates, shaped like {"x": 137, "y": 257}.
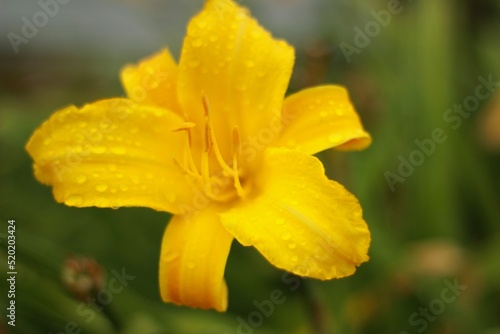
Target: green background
{"x": 438, "y": 227}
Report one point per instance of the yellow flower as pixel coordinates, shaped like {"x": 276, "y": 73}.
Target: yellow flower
{"x": 213, "y": 141}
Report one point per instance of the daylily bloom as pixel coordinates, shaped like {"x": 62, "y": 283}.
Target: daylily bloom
{"x": 214, "y": 141}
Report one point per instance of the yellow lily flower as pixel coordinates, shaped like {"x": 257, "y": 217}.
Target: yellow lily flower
{"x": 214, "y": 141}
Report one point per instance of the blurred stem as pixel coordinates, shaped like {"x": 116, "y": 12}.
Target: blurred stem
{"x": 108, "y": 311}
{"x": 317, "y": 310}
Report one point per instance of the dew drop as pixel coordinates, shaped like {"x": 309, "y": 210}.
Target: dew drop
{"x": 98, "y": 149}
{"x": 197, "y": 42}
{"x": 213, "y": 38}
{"x": 201, "y": 24}
{"x": 324, "y": 113}
{"x": 256, "y": 34}
{"x": 115, "y": 207}
{"x": 81, "y": 179}
{"x": 194, "y": 62}
{"x": 280, "y": 221}
{"x": 101, "y": 188}
{"x": 112, "y": 167}
{"x": 340, "y": 111}
{"x": 191, "y": 265}
{"x": 294, "y": 258}
{"x": 119, "y": 150}
{"x": 286, "y": 236}
{"x": 250, "y": 63}
{"x": 83, "y": 124}
{"x": 292, "y": 245}
{"x": 170, "y": 256}
{"x": 75, "y": 200}
{"x": 134, "y": 130}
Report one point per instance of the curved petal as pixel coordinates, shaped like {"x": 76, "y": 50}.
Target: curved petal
{"x": 111, "y": 153}
{"x": 193, "y": 257}
{"x": 301, "y": 221}
{"x": 243, "y": 72}
{"x": 153, "y": 81}
{"x": 319, "y": 118}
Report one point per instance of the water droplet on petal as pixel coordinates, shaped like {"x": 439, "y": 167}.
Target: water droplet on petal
{"x": 123, "y": 187}
{"x": 118, "y": 150}
{"x": 213, "y": 38}
{"x": 250, "y": 63}
{"x": 98, "y": 149}
{"x": 201, "y": 23}
{"x": 112, "y": 167}
{"x": 294, "y": 258}
{"x": 292, "y": 245}
{"x": 75, "y": 200}
{"x": 286, "y": 236}
{"x": 280, "y": 221}
{"x": 197, "y": 42}
{"x": 101, "y": 187}
{"x": 170, "y": 256}
{"x": 194, "y": 62}
{"x": 190, "y": 265}
{"x": 81, "y": 179}
{"x": 134, "y": 130}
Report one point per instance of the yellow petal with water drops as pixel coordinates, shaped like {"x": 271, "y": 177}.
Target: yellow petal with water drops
{"x": 243, "y": 72}
{"x": 112, "y": 153}
{"x": 153, "y": 81}
{"x": 319, "y": 118}
{"x": 299, "y": 220}
{"x": 193, "y": 257}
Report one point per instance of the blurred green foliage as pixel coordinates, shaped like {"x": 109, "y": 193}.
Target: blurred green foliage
{"x": 439, "y": 226}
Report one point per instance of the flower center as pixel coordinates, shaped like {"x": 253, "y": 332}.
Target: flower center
{"x": 224, "y": 184}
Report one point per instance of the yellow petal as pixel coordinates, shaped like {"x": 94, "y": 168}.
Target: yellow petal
{"x": 319, "y": 118}
{"x": 153, "y": 81}
{"x": 239, "y": 67}
{"x": 193, "y": 257}
{"x": 301, "y": 221}
{"x": 111, "y": 153}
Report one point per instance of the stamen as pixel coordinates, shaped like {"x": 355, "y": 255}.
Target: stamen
{"x": 184, "y": 126}
{"x": 188, "y": 155}
{"x": 236, "y": 152}
{"x": 211, "y": 135}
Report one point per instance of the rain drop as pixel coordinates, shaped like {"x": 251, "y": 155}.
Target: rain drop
{"x": 81, "y": 179}
{"x": 194, "y": 62}
{"x": 170, "y": 256}
{"x": 98, "y": 149}
{"x": 101, "y": 188}
{"x": 75, "y": 200}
